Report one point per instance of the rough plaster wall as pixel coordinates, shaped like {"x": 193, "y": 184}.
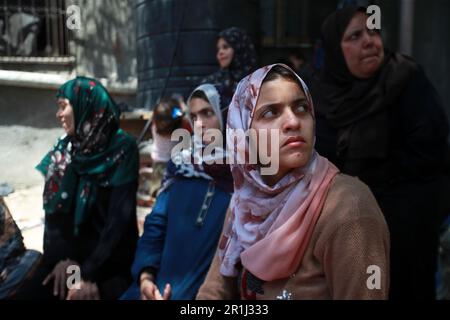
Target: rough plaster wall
{"x": 105, "y": 46}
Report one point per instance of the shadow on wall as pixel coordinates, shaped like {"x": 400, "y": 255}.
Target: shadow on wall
{"x": 36, "y": 107}
{"x": 105, "y": 46}
{"x": 28, "y": 107}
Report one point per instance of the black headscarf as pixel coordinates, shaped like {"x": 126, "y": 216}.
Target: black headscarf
{"x": 243, "y": 63}
{"x": 358, "y": 108}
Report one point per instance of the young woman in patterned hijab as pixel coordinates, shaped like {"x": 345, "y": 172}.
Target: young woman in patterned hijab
{"x": 236, "y": 56}
{"x": 305, "y": 231}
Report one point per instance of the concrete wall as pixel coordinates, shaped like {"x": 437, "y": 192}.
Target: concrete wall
{"x": 34, "y": 107}
{"x": 28, "y": 107}
{"x": 105, "y": 46}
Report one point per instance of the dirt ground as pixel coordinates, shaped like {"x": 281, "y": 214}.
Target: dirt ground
{"x": 21, "y": 149}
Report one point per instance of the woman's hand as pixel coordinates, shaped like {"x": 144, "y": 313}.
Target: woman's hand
{"x": 149, "y": 290}
{"x": 59, "y": 277}
{"x": 87, "y": 291}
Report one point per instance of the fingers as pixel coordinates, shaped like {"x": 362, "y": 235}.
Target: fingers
{"x": 92, "y": 292}
{"x": 96, "y": 294}
{"x": 79, "y": 294}
{"x": 157, "y": 294}
{"x": 143, "y": 293}
{"x": 71, "y": 295}
{"x": 55, "y": 283}
{"x": 167, "y": 292}
{"x": 148, "y": 290}
{"x": 87, "y": 294}
{"x": 89, "y": 291}
{"x": 148, "y": 294}
{"x": 58, "y": 277}
{"x": 48, "y": 279}
{"x": 58, "y": 282}
{"x": 62, "y": 283}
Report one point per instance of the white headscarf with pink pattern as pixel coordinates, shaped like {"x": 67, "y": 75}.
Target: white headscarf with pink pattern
{"x": 270, "y": 227}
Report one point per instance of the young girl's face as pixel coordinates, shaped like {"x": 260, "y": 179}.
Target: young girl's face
{"x": 204, "y": 118}
{"x": 282, "y": 105}
{"x": 225, "y": 53}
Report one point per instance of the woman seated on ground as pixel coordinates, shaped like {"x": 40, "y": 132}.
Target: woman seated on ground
{"x": 305, "y": 232}
{"x": 89, "y": 199}
{"x": 182, "y": 231}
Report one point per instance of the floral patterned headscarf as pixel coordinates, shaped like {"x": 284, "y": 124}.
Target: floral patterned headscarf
{"x": 243, "y": 63}
{"x": 270, "y": 227}
{"x": 99, "y": 154}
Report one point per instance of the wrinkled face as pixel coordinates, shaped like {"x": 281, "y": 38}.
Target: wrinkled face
{"x": 362, "y": 48}
{"x": 225, "y": 53}
{"x": 282, "y": 105}
{"x": 204, "y": 118}
{"x": 65, "y": 116}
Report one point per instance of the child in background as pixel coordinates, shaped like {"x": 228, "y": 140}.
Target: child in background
{"x": 167, "y": 117}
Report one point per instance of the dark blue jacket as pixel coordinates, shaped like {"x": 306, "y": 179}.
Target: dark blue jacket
{"x": 181, "y": 236}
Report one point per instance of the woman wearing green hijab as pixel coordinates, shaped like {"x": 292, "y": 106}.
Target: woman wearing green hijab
{"x": 90, "y": 188}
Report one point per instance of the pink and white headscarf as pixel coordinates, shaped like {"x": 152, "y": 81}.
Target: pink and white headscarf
{"x": 270, "y": 227}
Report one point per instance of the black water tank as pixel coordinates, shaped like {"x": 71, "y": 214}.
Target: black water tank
{"x": 190, "y": 26}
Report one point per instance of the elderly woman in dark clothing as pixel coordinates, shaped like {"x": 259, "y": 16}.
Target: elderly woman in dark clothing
{"x": 236, "y": 56}
{"x": 89, "y": 198}
{"x": 379, "y": 118}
